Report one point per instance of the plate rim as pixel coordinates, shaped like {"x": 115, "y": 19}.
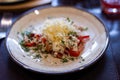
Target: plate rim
{"x": 72, "y": 70}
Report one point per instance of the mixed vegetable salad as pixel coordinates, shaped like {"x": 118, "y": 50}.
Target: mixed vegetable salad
{"x": 59, "y": 37}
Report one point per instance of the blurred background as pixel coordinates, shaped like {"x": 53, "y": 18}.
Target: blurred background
{"x": 108, "y": 11}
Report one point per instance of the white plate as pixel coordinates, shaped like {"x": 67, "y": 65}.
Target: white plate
{"x": 94, "y": 48}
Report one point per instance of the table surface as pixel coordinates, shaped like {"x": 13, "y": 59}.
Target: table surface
{"x": 107, "y": 68}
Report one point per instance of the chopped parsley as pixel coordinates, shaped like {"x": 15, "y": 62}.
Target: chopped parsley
{"x": 72, "y": 33}
{"x": 46, "y": 56}
{"x": 39, "y": 46}
{"x": 23, "y": 46}
{"x": 26, "y": 33}
{"x": 82, "y": 59}
{"x": 35, "y": 49}
{"x": 63, "y": 42}
{"x": 68, "y": 19}
{"x": 22, "y": 34}
{"x": 71, "y": 58}
{"x": 84, "y": 29}
{"x": 21, "y": 43}
{"x": 26, "y": 49}
{"x": 64, "y": 60}
{"x": 37, "y": 56}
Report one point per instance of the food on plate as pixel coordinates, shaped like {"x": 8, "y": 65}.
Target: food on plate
{"x": 59, "y": 37}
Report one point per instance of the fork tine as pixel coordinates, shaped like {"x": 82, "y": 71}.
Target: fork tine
{"x": 6, "y": 20}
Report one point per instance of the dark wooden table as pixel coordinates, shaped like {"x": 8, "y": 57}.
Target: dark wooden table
{"x": 107, "y": 68}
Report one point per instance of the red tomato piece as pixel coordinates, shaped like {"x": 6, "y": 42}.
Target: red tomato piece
{"x": 74, "y": 53}
{"x": 44, "y": 40}
{"x": 84, "y": 38}
{"x": 32, "y": 35}
{"x": 37, "y": 36}
{"x": 30, "y": 44}
{"x": 59, "y": 55}
{"x": 48, "y": 47}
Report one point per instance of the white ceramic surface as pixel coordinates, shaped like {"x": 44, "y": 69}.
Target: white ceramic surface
{"x": 94, "y": 48}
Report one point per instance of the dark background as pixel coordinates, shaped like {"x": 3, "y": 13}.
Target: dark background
{"x": 106, "y": 68}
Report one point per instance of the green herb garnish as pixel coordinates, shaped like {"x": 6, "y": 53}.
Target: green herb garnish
{"x": 82, "y": 59}
{"x": 46, "y": 56}
{"x": 23, "y": 46}
{"x": 27, "y": 33}
{"x": 22, "y": 43}
{"x": 26, "y": 49}
{"x": 68, "y": 19}
{"x": 22, "y": 34}
{"x": 39, "y": 46}
{"x": 72, "y": 33}
{"x": 64, "y": 60}
{"x": 35, "y": 49}
{"x": 63, "y": 42}
{"x": 84, "y": 29}
{"x": 72, "y": 59}
{"x": 37, "y": 56}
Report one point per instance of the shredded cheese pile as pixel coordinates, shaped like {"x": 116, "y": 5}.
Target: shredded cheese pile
{"x": 57, "y": 29}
